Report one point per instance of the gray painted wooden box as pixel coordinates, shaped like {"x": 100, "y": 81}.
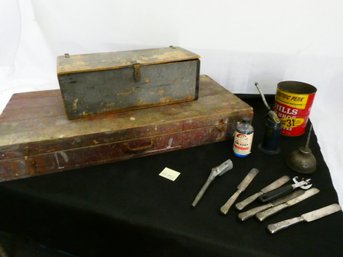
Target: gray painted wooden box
{"x": 117, "y": 81}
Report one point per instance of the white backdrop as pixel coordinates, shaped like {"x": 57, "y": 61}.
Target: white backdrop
{"x": 240, "y": 42}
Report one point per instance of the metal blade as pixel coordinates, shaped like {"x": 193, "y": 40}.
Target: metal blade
{"x": 322, "y": 212}
{"x": 240, "y": 188}
{"x": 277, "y": 183}
{"x": 247, "y": 180}
{"x": 308, "y": 193}
{"x": 226, "y": 207}
{"x": 288, "y": 197}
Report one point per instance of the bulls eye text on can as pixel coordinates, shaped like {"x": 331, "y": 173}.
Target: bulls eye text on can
{"x": 293, "y": 102}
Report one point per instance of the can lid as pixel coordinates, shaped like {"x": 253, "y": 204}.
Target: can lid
{"x": 297, "y": 87}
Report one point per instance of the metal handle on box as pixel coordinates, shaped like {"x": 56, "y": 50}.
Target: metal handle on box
{"x": 139, "y": 148}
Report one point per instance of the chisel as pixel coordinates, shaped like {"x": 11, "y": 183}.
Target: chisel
{"x": 240, "y": 188}
{"x": 265, "y": 214}
{"x": 276, "y": 184}
{"x": 250, "y": 213}
{"x": 308, "y": 217}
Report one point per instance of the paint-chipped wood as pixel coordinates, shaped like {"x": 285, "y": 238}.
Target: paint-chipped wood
{"x": 115, "y": 60}
{"x": 37, "y": 138}
{"x": 120, "y": 81}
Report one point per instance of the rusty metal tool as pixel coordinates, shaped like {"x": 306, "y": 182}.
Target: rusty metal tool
{"x": 216, "y": 171}
{"x": 276, "y": 184}
{"x": 308, "y": 217}
{"x": 261, "y": 216}
{"x": 240, "y": 188}
{"x": 281, "y": 191}
{"x": 250, "y": 213}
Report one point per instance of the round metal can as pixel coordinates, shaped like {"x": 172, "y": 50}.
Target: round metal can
{"x": 293, "y": 102}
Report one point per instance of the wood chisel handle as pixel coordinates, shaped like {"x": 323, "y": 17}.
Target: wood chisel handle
{"x": 261, "y": 216}
{"x": 276, "y": 193}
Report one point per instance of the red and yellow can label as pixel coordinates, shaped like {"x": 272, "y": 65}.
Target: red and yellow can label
{"x": 293, "y": 111}
{"x": 294, "y": 100}
{"x": 292, "y": 122}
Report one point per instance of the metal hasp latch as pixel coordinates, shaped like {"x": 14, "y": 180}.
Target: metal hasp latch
{"x": 137, "y": 72}
{"x": 216, "y": 171}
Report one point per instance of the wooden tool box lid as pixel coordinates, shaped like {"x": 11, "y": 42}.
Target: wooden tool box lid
{"x": 68, "y": 64}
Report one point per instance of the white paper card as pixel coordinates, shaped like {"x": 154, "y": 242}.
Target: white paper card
{"x": 169, "y": 174}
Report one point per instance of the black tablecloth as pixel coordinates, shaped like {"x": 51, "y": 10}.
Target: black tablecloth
{"x": 127, "y": 209}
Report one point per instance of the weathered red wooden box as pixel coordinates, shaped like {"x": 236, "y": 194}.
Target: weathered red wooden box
{"x": 37, "y": 138}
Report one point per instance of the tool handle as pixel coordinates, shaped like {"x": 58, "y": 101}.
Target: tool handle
{"x": 202, "y": 191}
{"x": 240, "y": 188}
{"x": 261, "y": 216}
{"x": 249, "y": 213}
{"x": 223, "y": 168}
{"x": 275, "y": 227}
{"x": 242, "y": 204}
{"x": 226, "y": 207}
{"x": 276, "y": 193}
